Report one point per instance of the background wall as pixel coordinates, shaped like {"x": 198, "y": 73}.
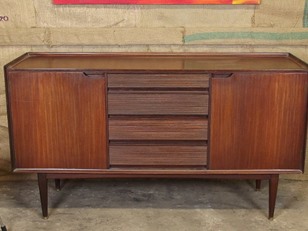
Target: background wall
{"x": 38, "y": 25}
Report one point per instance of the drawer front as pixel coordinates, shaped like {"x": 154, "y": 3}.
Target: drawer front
{"x": 158, "y": 119}
{"x": 157, "y": 155}
{"x": 128, "y": 128}
{"x": 158, "y": 80}
{"x": 158, "y": 103}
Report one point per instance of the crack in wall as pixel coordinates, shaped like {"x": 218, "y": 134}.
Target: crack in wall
{"x": 47, "y": 37}
{"x": 35, "y": 14}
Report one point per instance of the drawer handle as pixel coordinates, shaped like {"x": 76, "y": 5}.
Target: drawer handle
{"x": 222, "y": 75}
{"x": 93, "y": 75}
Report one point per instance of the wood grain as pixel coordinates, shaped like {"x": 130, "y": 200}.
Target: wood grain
{"x": 258, "y": 121}
{"x": 162, "y": 128}
{"x": 158, "y": 80}
{"x": 157, "y": 155}
{"x": 158, "y": 102}
{"x": 132, "y": 62}
{"x": 58, "y": 120}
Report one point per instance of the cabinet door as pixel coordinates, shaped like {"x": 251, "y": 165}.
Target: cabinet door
{"x": 57, "y": 120}
{"x": 258, "y": 121}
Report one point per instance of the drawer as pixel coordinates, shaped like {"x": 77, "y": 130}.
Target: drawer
{"x": 157, "y": 155}
{"x": 158, "y": 102}
{"x": 163, "y": 128}
{"x": 158, "y": 80}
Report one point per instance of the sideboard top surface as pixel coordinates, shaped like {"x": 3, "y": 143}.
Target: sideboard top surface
{"x": 159, "y": 61}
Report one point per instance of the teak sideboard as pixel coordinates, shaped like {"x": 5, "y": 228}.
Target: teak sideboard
{"x": 175, "y": 115}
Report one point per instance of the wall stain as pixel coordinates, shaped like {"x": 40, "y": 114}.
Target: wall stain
{"x": 305, "y": 20}
{"x": 246, "y": 35}
{"x": 252, "y": 35}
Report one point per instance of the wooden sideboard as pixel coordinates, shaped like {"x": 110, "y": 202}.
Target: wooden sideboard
{"x": 175, "y": 115}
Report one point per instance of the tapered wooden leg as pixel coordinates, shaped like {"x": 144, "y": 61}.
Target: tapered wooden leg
{"x": 43, "y": 182}
{"x": 273, "y": 186}
{"x": 258, "y": 185}
{"x": 58, "y": 184}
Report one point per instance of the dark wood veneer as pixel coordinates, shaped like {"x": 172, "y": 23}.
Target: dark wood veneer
{"x": 160, "y": 61}
{"x": 154, "y": 102}
{"x": 175, "y": 115}
{"x": 55, "y": 121}
{"x": 162, "y": 128}
{"x": 258, "y": 121}
{"x": 160, "y": 81}
{"x": 158, "y": 155}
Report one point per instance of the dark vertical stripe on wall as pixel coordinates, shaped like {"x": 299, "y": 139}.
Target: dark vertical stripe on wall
{"x": 306, "y": 14}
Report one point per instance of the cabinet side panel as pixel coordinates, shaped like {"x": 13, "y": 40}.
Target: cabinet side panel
{"x": 58, "y": 120}
{"x": 258, "y": 121}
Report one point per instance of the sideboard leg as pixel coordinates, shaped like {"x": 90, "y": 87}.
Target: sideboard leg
{"x": 58, "y": 184}
{"x": 43, "y": 183}
{"x": 273, "y": 186}
{"x": 258, "y": 185}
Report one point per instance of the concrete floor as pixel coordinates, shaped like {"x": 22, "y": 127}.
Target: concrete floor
{"x": 154, "y": 205}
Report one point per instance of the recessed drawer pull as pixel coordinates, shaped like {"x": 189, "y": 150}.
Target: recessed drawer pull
{"x": 222, "y": 75}
{"x": 87, "y": 75}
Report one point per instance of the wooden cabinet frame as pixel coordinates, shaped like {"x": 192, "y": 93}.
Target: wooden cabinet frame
{"x": 182, "y": 115}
